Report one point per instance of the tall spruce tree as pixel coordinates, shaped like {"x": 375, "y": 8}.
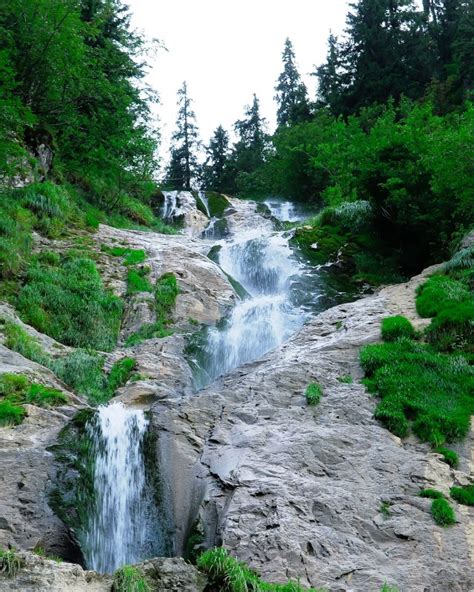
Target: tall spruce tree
{"x": 331, "y": 77}
{"x": 215, "y": 171}
{"x": 249, "y": 150}
{"x": 183, "y": 164}
{"x": 291, "y": 93}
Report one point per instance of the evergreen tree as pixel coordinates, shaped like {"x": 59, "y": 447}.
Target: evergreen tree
{"x": 215, "y": 172}
{"x": 183, "y": 164}
{"x": 330, "y": 76}
{"x": 291, "y": 93}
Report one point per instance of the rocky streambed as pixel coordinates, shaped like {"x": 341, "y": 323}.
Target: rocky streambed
{"x": 295, "y": 491}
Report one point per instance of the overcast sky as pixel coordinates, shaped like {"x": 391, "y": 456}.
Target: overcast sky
{"x": 226, "y": 50}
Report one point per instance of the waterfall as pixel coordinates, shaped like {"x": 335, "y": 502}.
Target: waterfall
{"x": 119, "y": 531}
{"x": 170, "y": 207}
{"x": 205, "y": 201}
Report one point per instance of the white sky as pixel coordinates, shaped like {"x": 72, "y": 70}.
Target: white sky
{"x": 228, "y": 50}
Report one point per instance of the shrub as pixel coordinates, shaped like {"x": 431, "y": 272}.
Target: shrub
{"x": 82, "y": 371}
{"x": 439, "y": 291}
{"x": 387, "y": 588}
{"x": 431, "y": 493}
{"x": 442, "y": 512}
{"x": 453, "y": 327}
{"x": 17, "y": 339}
{"x": 10, "y": 563}
{"x": 120, "y": 373}
{"x": 69, "y": 303}
{"x": 136, "y": 211}
{"x": 129, "y": 579}
{"x": 137, "y": 282}
{"x": 42, "y": 396}
{"x": 417, "y": 386}
{"x": 313, "y": 394}
{"x": 11, "y": 414}
{"x": 395, "y": 327}
{"x": 449, "y": 456}
{"x": 227, "y": 574}
{"x": 464, "y": 495}
{"x": 463, "y": 259}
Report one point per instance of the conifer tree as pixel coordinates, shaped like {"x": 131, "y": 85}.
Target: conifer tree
{"x": 291, "y": 93}
{"x": 215, "y": 172}
{"x": 330, "y": 76}
{"x": 183, "y": 164}
{"x": 249, "y": 151}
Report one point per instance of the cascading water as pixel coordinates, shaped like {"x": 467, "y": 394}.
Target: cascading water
{"x": 122, "y": 527}
{"x": 205, "y": 201}
{"x": 170, "y": 207}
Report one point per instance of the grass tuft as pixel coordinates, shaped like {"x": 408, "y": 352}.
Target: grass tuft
{"x": 450, "y": 457}
{"x": 443, "y": 514}
{"x": 10, "y": 563}
{"x": 464, "y": 495}
{"x": 431, "y": 494}
{"x": 313, "y": 394}
{"x": 129, "y": 579}
{"x": 393, "y": 328}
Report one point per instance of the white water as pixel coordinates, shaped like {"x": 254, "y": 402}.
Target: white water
{"x": 285, "y": 211}
{"x": 170, "y": 208}
{"x": 205, "y": 201}
{"x": 118, "y": 532}
{"x": 262, "y": 261}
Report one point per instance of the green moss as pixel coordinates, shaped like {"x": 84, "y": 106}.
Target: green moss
{"x": 464, "y": 495}
{"x": 69, "y": 303}
{"x": 395, "y": 327}
{"x": 217, "y": 204}
{"x": 431, "y": 494}
{"x": 453, "y": 327}
{"x": 227, "y": 574}
{"x": 129, "y": 579}
{"x": 120, "y": 373}
{"x": 313, "y": 394}
{"x": 11, "y": 414}
{"x": 10, "y": 563}
{"x": 166, "y": 292}
{"x": 443, "y": 514}
{"x": 449, "y": 456}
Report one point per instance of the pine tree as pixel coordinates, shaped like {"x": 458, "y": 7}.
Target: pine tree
{"x": 215, "y": 172}
{"x": 330, "y": 76}
{"x": 249, "y": 151}
{"x": 183, "y": 164}
{"x": 291, "y": 93}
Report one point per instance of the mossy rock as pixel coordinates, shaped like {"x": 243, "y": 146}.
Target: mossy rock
{"x": 218, "y": 204}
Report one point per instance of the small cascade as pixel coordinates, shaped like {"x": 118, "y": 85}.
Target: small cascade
{"x": 205, "y": 201}
{"x": 170, "y": 209}
{"x": 286, "y": 211}
{"x": 122, "y": 528}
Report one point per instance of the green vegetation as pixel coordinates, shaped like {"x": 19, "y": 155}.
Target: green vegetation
{"x": 387, "y": 588}
{"x": 41, "y": 552}
{"x": 431, "y": 494}
{"x": 443, "y": 514}
{"x": 11, "y": 414}
{"x": 385, "y": 509}
{"x": 464, "y": 495}
{"x": 129, "y": 579}
{"x": 10, "y": 563}
{"x": 67, "y": 300}
{"x": 438, "y": 293}
{"x": 138, "y": 282}
{"x": 450, "y": 457}
{"x": 17, "y": 339}
{"x": 313, "y": 394}
{"x": 42, "y": 396}
{"x": 148, "y": 331}
{"x": 227, "y": 574}
{"x": 346, "y": 379}
{"x": 120, "y": 373}
{"x": 395, "y": 327}
{"x": 131, "y": 256}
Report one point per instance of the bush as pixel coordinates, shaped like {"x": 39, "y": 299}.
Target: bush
{"x": 463, "y": 259}
{"x": 449, "y": 456}
{"x": 313, "y": 394}
{"x": 11, "y": 414}
{"x": 431, "y": 493}
{"x": 129, "y": 579}
{"x": 395, "y": 327}
{"x": 69, "y": 303}
{"x": 120, "y": 374}
{"x": 10, "y": 563}
{"x": 82, "y": 371}
{"x": 428, "y": 390}
{"x": 137, "y": 282}
{"x": 227, "y": 574}
{"x": 464, "y": 495}
{"x": 135, "y": 257}
{"x": 442, "y": 512}
{"x": 438, "y": 292}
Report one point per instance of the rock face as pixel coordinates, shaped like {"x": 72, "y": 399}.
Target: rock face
{"x": 39, "y": 574}
{"x": 297, "y": 492}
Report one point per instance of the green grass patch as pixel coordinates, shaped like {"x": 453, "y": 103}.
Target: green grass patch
{"x": 18, "y": 340}
{"x": 420, "y": 388}
{"x": 346, "y": 379}
{"x": 385, "y": 509}
{"x": 148, "y": 331}
{"x": 442, "y": 512}
{"x": 464, "y": 495}
{"x": 438, "y": 292}
{"x": 313, "y": 394}
{"x": 450, "y": 457}
{"x": 69, "y": 303}
{"x": 43, "y": 396}
{"x": 120, "y": 373}
{"x": 11, "y": 414}
{"x": 138, "y": 282}
{"x": 393, "y": 328}
{"x": 83, "y": 371}
{"x": 10, "y": 563}
{"x": 41, "y": 552}
{"x": 431, "y": 494}
{"x": 129, "y": 579}
{"x": 453, "y": 327}
{"x": 227, "y": 574}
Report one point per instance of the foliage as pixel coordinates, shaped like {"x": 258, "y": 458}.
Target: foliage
{"x": 148, "y": 331}
{"x": 43, "y": 396}
{"x": 346, "y": 379}
{"x": 68, "y": 302}
{"x": 313, "y": 394}
{"x": 291, "y": 93}
{"x": 230, "y": 575}
{"x": 17, "y": 339}
{"x": 120, "y": 373}
{"x": 453, "y": 327}
{"x": 464, "y": 495}
{"x": 215, "y": 173}
{"x": 10, "y": 563}
{"x": 395, "y": 327}
{"x": 166, "y": 292}
{"x": 129, "y": 579}
{"x": 438, "y": 292}
{"x": 10, "y": 413}
{"x": 82, "y": 371}
{"x": 442, "y": 512}
{"x": 462, "y": 259}
{"x": 385, "y": 509}
{"x": 431, "y": 494}
{"x": 450, "y": 457}
{"x": 417, "y": 386}
{"x": 137, "y": 281}
{"x": 41, "y": 552}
